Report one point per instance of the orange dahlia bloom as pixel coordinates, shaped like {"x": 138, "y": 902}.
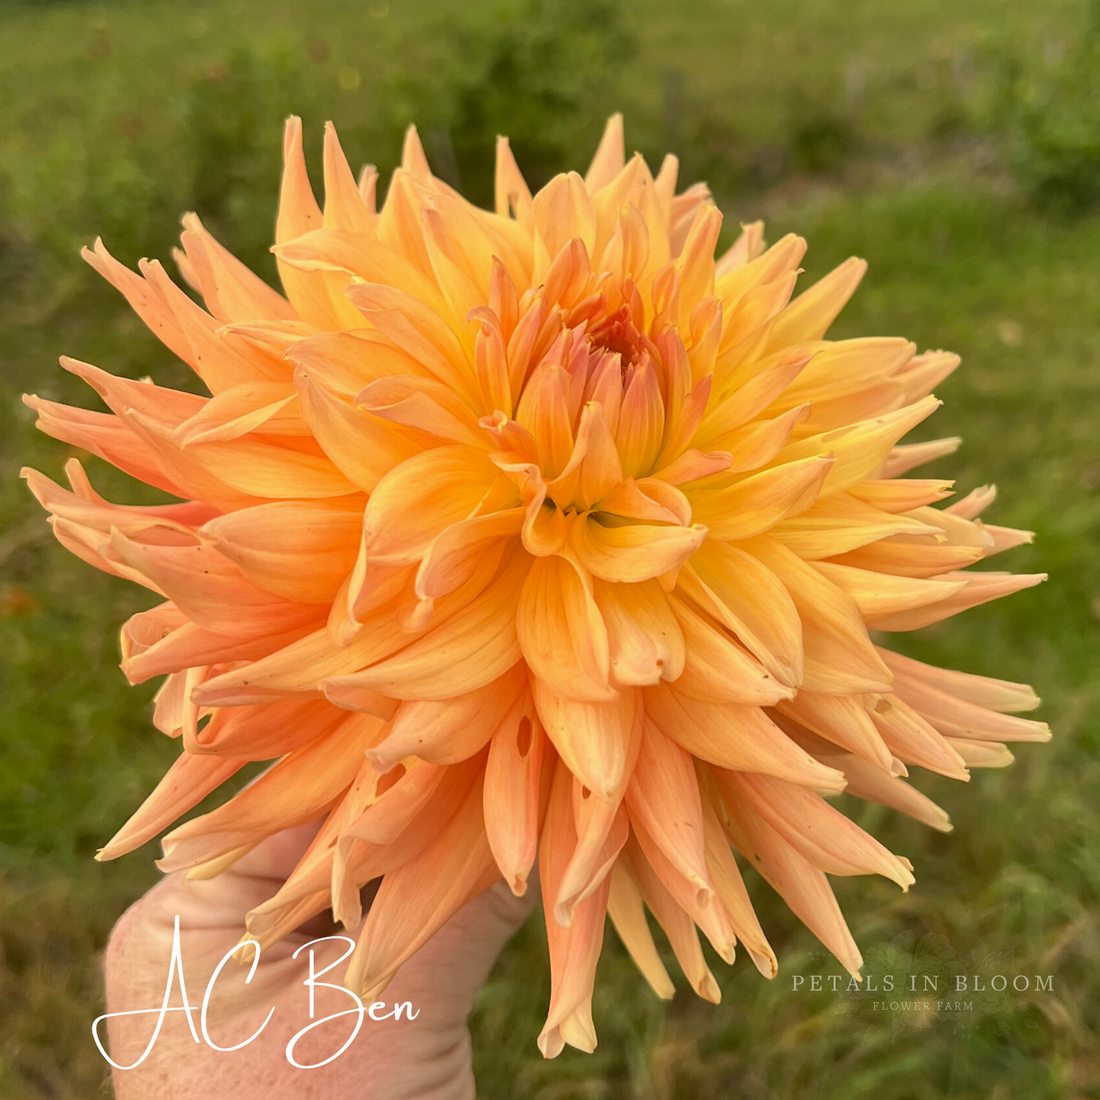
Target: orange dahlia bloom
{"x": 537, "y": 531}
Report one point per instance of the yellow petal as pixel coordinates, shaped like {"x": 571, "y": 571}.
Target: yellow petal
{"x": 839, "y": 657}
{"x": 296, "y": 549}
{"x": 562, "y": 210}
{"x": 231, "y": 291}
{"x": 754, "y": 504}
{"x": 741, "y": 592}
{"x": 562, "y": 633}
{"x": 574, "y": 950}
{"x": 420, "y": 498}
{"x": 738, "y": 737}
{"x": 645, "y": 641}
{"x": 610, "y": 156}
{"x": 634, "y": 553}
{"x": 513, "y": 777}
{"x": 344, "y": 205}
{"x": 860, "y": 450}
{"x": 423, "y": 404}
{"x": 512, "y": 193}
{"x": 627, "y": 913}
{"x": 716, "y": 667}
{"x": 977, "y": 588}
{"x": 809, "y": 316}
{"x": 880, "y": 595}
{"x": 591, "y": 738}
{"x": 473, "y": 647}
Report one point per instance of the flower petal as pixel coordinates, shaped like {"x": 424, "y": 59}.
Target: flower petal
{"x": 562, "y": 633}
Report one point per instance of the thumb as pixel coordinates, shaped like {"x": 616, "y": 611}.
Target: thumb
{"x": 457, "y": 960}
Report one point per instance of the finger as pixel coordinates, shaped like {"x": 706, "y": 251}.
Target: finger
{"x": 430, "y": 1055}
{"x": 462, "y": 953}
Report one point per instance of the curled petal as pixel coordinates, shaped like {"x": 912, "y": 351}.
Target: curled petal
{"x": 298, "y": 550}
{"x": 663, "y": 796}
{"x": 804, "y": 888}
{"x": 420, "y": 498}
{"x": 186, "y": 783}
{"x": 645, "y": 640}
{"x": 592, "y": 738}
{"x": 754, "y": 504}
{"x": 716, "y": 667}
{"x": 634, "y": 553}
{"x": 742, "y": 738}
{"x": 449, "y": 730}
{"x": 839, "y": 657}
{"x": 419, "y": 897}
{"x": 627, "y": 912}
{"x": 573, "y": 950}
{"x": 514, "y": 781}
{"x": 747, "y": 597}
{"x": 466, "y": 651}
{"x": 561, "y": 631}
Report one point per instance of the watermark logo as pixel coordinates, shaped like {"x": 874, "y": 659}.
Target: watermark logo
{"x": 923, "y": 981}
{"x": 359, "y": 1010}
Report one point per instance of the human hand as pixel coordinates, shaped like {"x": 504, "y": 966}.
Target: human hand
{"x": 427, "y": 1057}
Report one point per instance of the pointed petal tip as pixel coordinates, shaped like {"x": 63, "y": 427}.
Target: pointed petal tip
{"x": 564, "y": 913}
{"x": 707, "y": 988}
{"x": 551, "y": 1044}
{"x": 239, "y": 956}
{"x": 766, "y": 964}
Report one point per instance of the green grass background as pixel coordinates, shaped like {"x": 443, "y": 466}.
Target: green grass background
{"x": 884, "y": 130}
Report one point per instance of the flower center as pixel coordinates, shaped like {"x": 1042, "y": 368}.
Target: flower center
{"x": 616, "y": 333}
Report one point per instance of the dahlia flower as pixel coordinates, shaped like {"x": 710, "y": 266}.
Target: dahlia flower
{"x": 534, "y": 532}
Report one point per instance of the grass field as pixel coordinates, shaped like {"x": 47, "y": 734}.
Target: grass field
{"x": 869, "y": 129}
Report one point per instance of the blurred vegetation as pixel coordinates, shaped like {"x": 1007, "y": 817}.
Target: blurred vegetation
{"x": 1050, "y": 117}
{"x": 957, "y": 147}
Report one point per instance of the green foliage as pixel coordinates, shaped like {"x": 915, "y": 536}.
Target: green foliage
{"x": 543, "y": 71}
{"x": 232, "y": 116}
{"x": 1049, "y": 112}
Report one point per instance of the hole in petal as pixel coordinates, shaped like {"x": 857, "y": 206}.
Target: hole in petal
{"x": 385, "y": 782}
{"x": 523, "y": 736}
